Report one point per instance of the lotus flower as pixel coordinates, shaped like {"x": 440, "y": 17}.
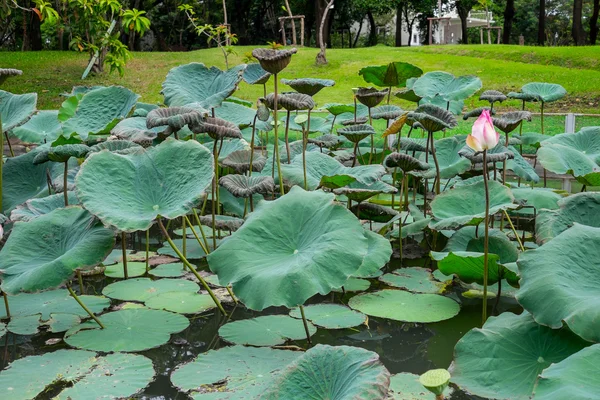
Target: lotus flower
{"x": 483, "y": 135}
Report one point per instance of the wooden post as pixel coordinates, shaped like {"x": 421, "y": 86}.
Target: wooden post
{"x": 282, "y": 25}
{"x": 481, "y": 34}
{"x": 499, "y": 34}
{"x": 430, "y": 34}
{"x": 302, "y": 31}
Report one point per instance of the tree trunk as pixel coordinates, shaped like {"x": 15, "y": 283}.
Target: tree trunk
{"x": 321, "y": 59}
{"x": 542, "y": 23}
{"x": 357, "y": 34}
{"x": 225, "y": 21}
{"x": 320, "y": 10}
{"x": 463, "y": 14}
{"x": 594, "y": 22}
{"x": 509, "y": 14}
{"x": 399, "y": 26}
{"x": 577, "y": 31}
{"x": 289, "y": 10}
{"x": 373, "y": 29}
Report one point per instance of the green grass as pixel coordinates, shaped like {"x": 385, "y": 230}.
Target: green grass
{"x": 499, "y": 67}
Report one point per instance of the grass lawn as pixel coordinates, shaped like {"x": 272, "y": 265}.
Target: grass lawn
{"x": 504, "y": 68}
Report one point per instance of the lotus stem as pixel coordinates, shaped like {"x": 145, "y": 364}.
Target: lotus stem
{"x": 355, "y": 109}
{"x": 394, "y": 185}
{"x": 305, "y": 322}
{"x": 80, "y": 281}
{"x": 201, "y": 229}
{"x": 205, "y": 249}
{"x": 191, "y": 267}
{"x": 400, "y": 223}
{"x": 498, "y": 294}
{"x": 287, "y": 140}
{"x": 87, "y": 310}
{"x": 426, "y": 180}
{"x": 304, "y": 141}
{"x": 12, "y": 153}
{"x": 333, "y": 124}
{"x": 231, "y": 294}
{"x": 486, "y": 238}
{"x": 1, "y": 162}
{"x": 281, "y": 188}
{"x": 65, "y": 179}
{"x": 213, "y": 190}
{"x": 514, "y": 230}
{"x": 6, "y": 305}
{"x": 184, "y": 237}
{"x": 437, "y": 166}
{"x": 542, "y": 116}
{"x": 372, "y": 138}
{"x": 355, "y": 155}
{"x": 389, "y": 94}
{"x": 252, "y": 144}
{"x": 124, "y": 249}
{"x": 147, "y": 250}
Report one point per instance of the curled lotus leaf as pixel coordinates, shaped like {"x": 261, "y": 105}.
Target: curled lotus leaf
{"x": 174, "y": 117}
{"x": 344, "y": 372}
{"x": 115, "y": 146}
{"x": 387, "y": 112}
{"x": 405, "y": 162}
{"x": 371, "y": 97}
{"x": 476, "y": 112}
{"x": 317, "y": 124}
{"x": 254, "y": 74}
{"x": 360, "y": 192}
{"x": 328, "y": 141}
{"x": 134, "y": 129}
{"x": 246, "y": 186}
{"x": 338, "y": 108}
{"x": 42, "y": 127}
{"x": 34, "y": 208}
{"x": 130, "y": 191}
{"x": 545, "y": 92}
{"x": 269, "y": 101}
{"x": 446, "y": 86}
{"x": 6, "y": 73}
{"x": 559, "y": 283}
{"x": 379, "y": 253}
{"x": 16, "y": 109}
{"x": 196, "y": 83}
{"x": 414, "y": 144}
{"x": 239, "y": 161}
{"x": 324, "y": 245}
{"x": 223, "y": 222}
{"x": 433, "y": 118}
{"x": 142, "y": 109}
{"x": 296, "y": 101}
{"x": 397, "y": 125}
{"x": 262, "y": 113}
{"x": 273, "y": 61}
{"x": 497, "y": 154}
{"x": 357, "y": 121}
{"x": 61, "y": 153}
{"x": 356, "y": 133}
{"x": 308, "y": 86}
{"x": 522, "y": 96}
{"x": 510, "y": 121}
{"x": 45, "y": 252}
{"x": 375, "y": 212}
{"x": 218, "y": 128}
{"x": 492, "y": 96}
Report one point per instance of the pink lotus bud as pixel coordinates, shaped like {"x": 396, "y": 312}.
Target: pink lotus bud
{"x": 483, "y": 135}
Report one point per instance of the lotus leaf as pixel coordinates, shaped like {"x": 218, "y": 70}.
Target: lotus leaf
{"x": 446, "y": 85}
{"x": 254, "y": 74}
{"x": 326, "y": 141}
{"x": 406, "y": 386}
{"x": 231, "y": 373}
{"x": 371, "y": 97}
{"x": 433, "y": 118}
{"x": 476, "y": 112}
{"x": 521, "y": 167}
{"x": 134, "y": 269}
{"x": 399, "y": 305}
{"x": 353, "y": 285}
{"x": 356, "y": 133}
{"x": 196, "y": 83}
{"x": 449, "y": 160}
{"x": 360, "y": 192}
{"x": 317, "y": 125}
{"x": 171, "y": 270}
{"x": 492, "y": 96}
{"x": 488, "y": 361}
{"x": 544, "y": 92}
{"x": 16, "y": 109}
{"x": 405, "y": 162}
{"x": 413, "y": 279}
{"x": 338, "y": 109}
{"x": 374, "y": 212}
{"x": 414, "y": 144}
{"x": 181, "y": 302}
{"x": 174, "y": 119}
{"x": 246, "y": 186}
{"x": 127, "y": 330}
{"x": 238, "y": 114}
{"x": 61, "y": 153}
{"x": 510, "y": 121}
{"x": 82, "y": 375}
{"x": 580, "y": 208}
{"x": 269, "y": 330}
{"x": 130, "y": 191}
{"x": 27, "y": 325}
{"x": 135, "y": 130}
{"x": 142, "y": 109}
{"x": 45, "y": 252}
{"x": 34, "y": 208}
{"x": 273, "y": 61}
{"x": 116, "y": 146}
{"x": 308, "y": 86}
{"x": 522, "y": 96}
{"x": 324, "y": 245}
{"x": 386, "y": 112}
{"x": 194, "y": 251}
{"x": 378, "y": 255}
{"x": 142, "y": 289}
{"x": 331, "y": 316}
{"x": 43, "y": 127}
{"x": 394, "y": 74}
{"x": 239, "y": 161}
{"x": 538, "y": 198}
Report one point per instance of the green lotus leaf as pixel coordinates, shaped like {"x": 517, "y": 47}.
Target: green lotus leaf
{"x": 399, "y": 305}
{"x": 231, "y": 373}
{"x": 130, "y": 191}
{"x": 43, "y": 127}
{"x": 544, "y": 92}
{"x": 414, "y": 144}
{"x": 378, "y": 255}
{"x": 465, "y": 205}
{"x": 34, "y": 208}
{"x": 413, "y": 279}
{"x": 327, "y": 140}
{"x": 30, "y": 324}
{"x": 353, "y": 285}
{"x": 239, "y": 161}
{"x": 331, "y": 316}
{"x": 435, "y": 380}
{"x": 254, "y": 74}
{"x": 488, "y": 360}
{"x": 116, "y": 146}
{"x": 336, "y": 373}
{"x": 463, "y": 256}
{"x": 143, "y": 289}
{"x": 492, "y": 96}
{"x": 497, "y": 154}
{"x": 135, "y": 130}
{"x": 450, "y": 161}
{"x": 45, "y": 252}
{"x": 408, "y": 94}
{"x": 386, "y": 112}
{"x": 240, "y": 115}
{"x": 174, "y": 119}
{"x": 538, "y": 198}
{"x": 574, "y": 377}
{"x": 171, "y": 270}
{"x": 127, "y": 330}
{"x": 356, "y": 133}
{"x": 181, "y": 302}
{"x": 446, "y": 85}
{"x": 308, "y": 86}
{"x": 580, "y": 208}
{"x": 433, "y": 118}
{"x": 324, "y": 244}
{"x": 246, "y": 186}
{"x": 61, "y": 153}
{"x": 81, "y": 375}
{"x": 196, "y": 83}
{"x": 269, "y": 330}
{"x": 521, "y": 167}
{"x": 374, "y": 212}
{"x": 338, "y": 109}
{"x": 394, "y": 74}
{"x": 194, "y": 251}
{"x": 370, "y": 97}
{"x": 16, "y": 109}
{"x": 134, "y": 269}
{"x": 559, "y": 283}
{"x": 142, "y": 109}
{"x": 322, "y": 170}
{"x": 116, "y": 256}
{"x": 406, "y": 386}
{"x": 510, "y": 121}
{"x": 476, "y": 112}
{"x": 273, "y": 60}
{"x": 522, "y": 96}
{"x": 218, "y": 129}
{"x": 405, "y": 162}
{"x": 360, "y": 192}
{"x": 99, "y": 110}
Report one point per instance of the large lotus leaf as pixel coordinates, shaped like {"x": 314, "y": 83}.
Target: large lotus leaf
{"x": 181, "y": 302}
{"x": 413, "y": 279}
{"x": 449, "y": 160}
{"x": 406, "y": 386}
{"x": 99, "y": 110}
{"x": 378, "y": 255}
{"x": 274, "y": 60}
{"x": 254, "y": 74}
{"x": 399, "y": 305}
{"x": 16, "y": 109}
{"x": 394, "y": 74}
{"x": 308, "y": 86}
{"x": 115, "y": 146}
{"x": 322, "y": 170}
{"x": 34, "y": 208}
{"x": 455, "y": 106}
{"x": 446, "y": 85}
{"x": 463, "y": 256}
{"x": 559, "y": 282}
{"x": 465, "y": 205}
{"x": 334, "y": 373}
{"x": 268, "y": 330}
{"x": 575, "y": 377}
{"x": 231, "y": 373}
{"x": 43, "y": 127}
{"x": 580, "y": 208}
{"x": 194, "y": 251}
{"x": 522, "y": 96}
{"x": 52, "y": 302}
{"x": 127, "y": 330}
{"x": 521, "y": 167}
{"x": 130, "y": 191}
{"x": 135, "y": 130}
{"x": 315, "y": 247}
{"x": 544, "y": 92}
{"x": 80, "y": 374}
{"x": 331, "y": 316}
{"x": 238, "y": 114}
{"x": 538, "y": 198}
{"x": 196, "y": 83}
{"x": 142, "y": 289}
{"x": 503, "y": 359}
{"x": 43, "y": 253}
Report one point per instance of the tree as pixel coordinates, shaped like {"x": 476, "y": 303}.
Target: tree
{"x": 509, "y": 14}
{"x": 594, "y": 22}
{"x": 577, "y": 31}
{"x": 463, "y": 8}
{"x": 321, "y": 59}
{"x": 135, "y": 22}
{"x": 542, "y": 23}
